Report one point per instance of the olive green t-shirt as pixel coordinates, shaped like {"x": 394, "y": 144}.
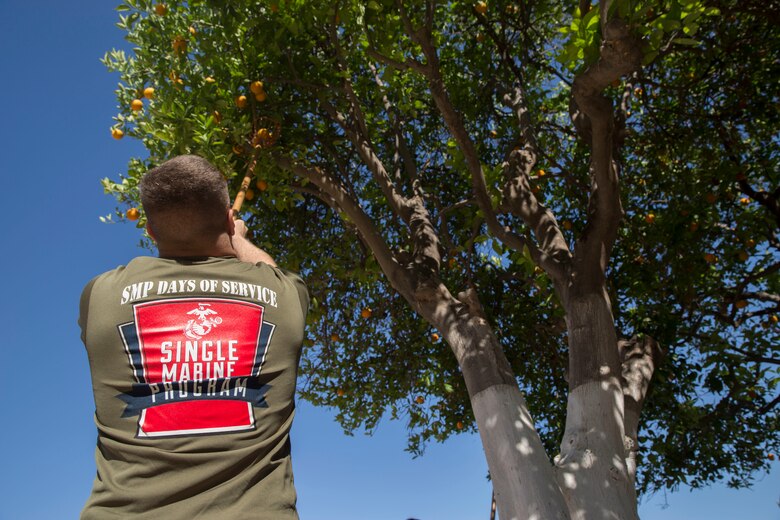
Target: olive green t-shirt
{"x": 193, "y": 365}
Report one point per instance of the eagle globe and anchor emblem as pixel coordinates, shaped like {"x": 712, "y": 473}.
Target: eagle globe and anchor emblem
{"x": 204, "y": 320}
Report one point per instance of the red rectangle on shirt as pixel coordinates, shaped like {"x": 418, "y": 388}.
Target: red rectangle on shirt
{"x": 204, "y": 342}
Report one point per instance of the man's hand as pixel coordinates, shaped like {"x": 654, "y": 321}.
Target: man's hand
{"x": 245, "y": 250}
{"x": 240, "y": 228}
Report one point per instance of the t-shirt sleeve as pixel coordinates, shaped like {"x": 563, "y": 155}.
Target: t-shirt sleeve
{"x": 300, "y": 286}
{"x": 86, "y": 294}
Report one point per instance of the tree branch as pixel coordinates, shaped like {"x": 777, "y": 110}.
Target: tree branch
{"x": 402, "y": 147}
{"x": 459, "y": 133}
{"x": 395, "y": 273}
{"x": 639, "y": 357}
{"x": 553, "y": 253}
{"x": 409, "y": 64}
{"x": 398, "y": 203}
{"x": 620, "y": 54}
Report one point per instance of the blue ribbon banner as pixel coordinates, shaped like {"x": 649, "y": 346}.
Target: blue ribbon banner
{"x": 144, "y": 396}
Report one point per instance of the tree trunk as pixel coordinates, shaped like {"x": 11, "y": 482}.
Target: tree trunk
{"x": 523, "y": 477}
{"x": 591, "y": 468}
{"x": 639, "y": 356}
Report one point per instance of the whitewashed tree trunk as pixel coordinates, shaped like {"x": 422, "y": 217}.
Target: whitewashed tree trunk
{"x": 523, "y": 479}
{"x": 639, "y": 357}
{"x": 591, "y": 468}
{"x": 522, "y": 474}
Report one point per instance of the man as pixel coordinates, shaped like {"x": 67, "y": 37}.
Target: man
{"x": 193, "y": 358}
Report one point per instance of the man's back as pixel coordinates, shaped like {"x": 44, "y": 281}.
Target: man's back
{"x": 193, "y": 370}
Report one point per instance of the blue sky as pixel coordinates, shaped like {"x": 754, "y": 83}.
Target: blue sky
{"x": 57, "y": 105}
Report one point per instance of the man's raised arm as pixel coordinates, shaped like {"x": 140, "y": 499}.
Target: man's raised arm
{"x": 245, "y": 250}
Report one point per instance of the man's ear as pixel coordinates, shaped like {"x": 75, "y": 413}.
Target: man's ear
{"x": 150, "y": 232}
{"x": 231, "y": 222}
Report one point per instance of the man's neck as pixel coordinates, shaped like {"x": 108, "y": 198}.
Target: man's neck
{"x": 222, "y": 247}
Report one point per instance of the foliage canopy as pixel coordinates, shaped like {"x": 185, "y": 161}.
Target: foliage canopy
{"x": 696, "y": 262}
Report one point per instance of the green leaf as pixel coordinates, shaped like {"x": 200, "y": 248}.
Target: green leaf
{"x": 686, "y": 41}
{"x": 591, "y": 20}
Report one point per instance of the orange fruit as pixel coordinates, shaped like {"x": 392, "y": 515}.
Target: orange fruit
{"x": 745, "y": 200}
{"x": 420, "y": 399}
{"x": 192, "y": 30}
{"x": 750, "y": 242}
{"x": 237, "y": 149}
{"x": 148, "y": 92}
{"x": 249, "y": 194}
{"x": 434, "y": 337}
{"x": 774, "y": 318}
{"x": 137, "y": 105}
{"x": 481, "y": 7}
{"x": 263, "y": 137}
{"x": 161, "y": 9}
{"x": 117, "y": 133}
{"x": 133, "y": 214}
{"x": 340, "y": 392}
{"x": 261, "y": 185}
{"x": 174, "y": 77}
{"x": 179, "y": 45}
{"x": 710, "y": 258}
{"x": 493, "y": 134}
{"x": 241, "y": 101}
{"x": 366, "y": 313}
{"x": 262, "y": 96}
{"x": 770, "y": 456}
{"x": 650, "y": 218}
{"x": 335, "y": 337}
{"x": 541, "y": 173}
{"x": 741, "y": 304}
{"x": 459, "y": 425}
{"x": 256, "y": 87}
{"x": 567, "y": 224}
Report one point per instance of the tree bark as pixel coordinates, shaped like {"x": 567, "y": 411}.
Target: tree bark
{"x": 591, "y": 468}
{"x": 639, "y": 358}
{"x": 523, "y": 478}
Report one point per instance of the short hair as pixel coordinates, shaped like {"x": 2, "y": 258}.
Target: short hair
{"x": 185, "y": 199}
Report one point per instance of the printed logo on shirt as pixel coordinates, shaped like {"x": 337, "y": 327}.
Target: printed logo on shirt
{"x": 202, "y": 325}
{"x": 196, "y": 364}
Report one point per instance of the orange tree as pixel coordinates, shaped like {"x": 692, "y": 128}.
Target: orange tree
{"x": 576, "y": 199}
